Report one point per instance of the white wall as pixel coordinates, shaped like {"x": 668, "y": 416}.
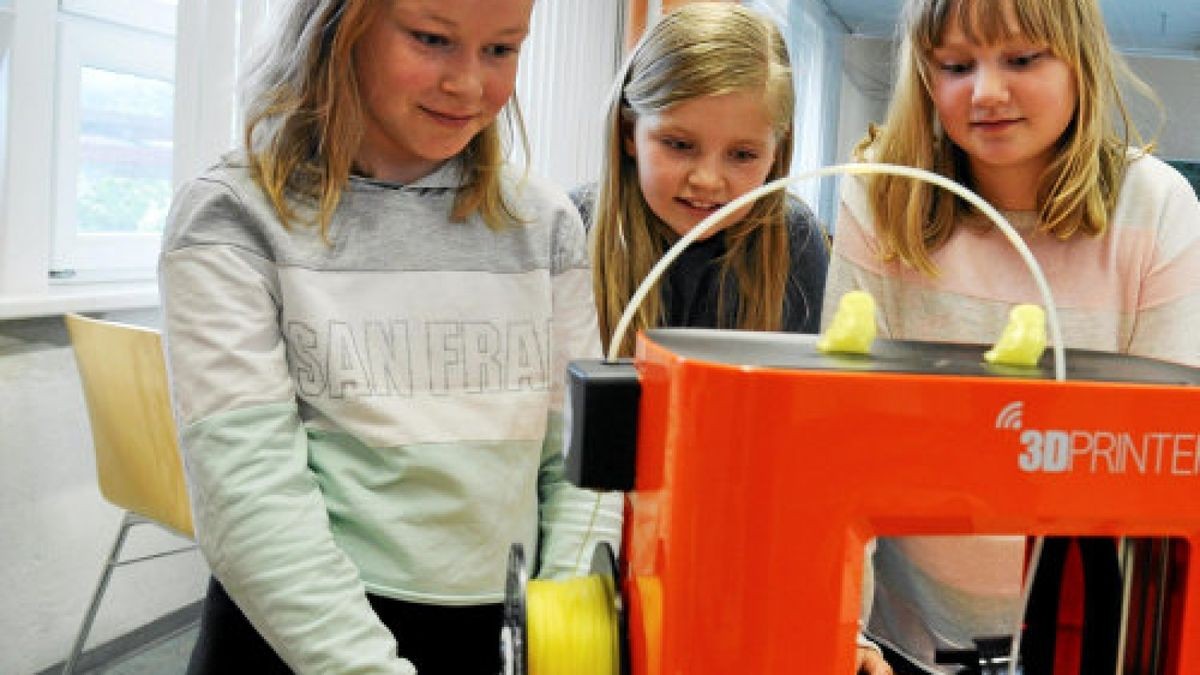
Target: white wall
{"x": 866, "y": 83}
{"x": 866, "y": 87}
{"x": 55, "y": 528}
{"x": 1176, "y": 80}
{"x": 868, "y": 75}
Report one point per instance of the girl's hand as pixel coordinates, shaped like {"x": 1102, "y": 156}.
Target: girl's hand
{"x": 870, "y": 662}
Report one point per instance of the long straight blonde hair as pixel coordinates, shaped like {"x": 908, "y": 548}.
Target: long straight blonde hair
{"x": 700, "y": 49}
{"x": 1076, "y": 193}
{"x": 304, "y": 116}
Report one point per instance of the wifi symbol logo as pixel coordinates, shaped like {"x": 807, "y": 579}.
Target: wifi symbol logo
{"x": 1010, "y": 416}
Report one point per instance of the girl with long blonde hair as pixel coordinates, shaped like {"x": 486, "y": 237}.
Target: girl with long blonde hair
{"x": 700, "y": 114}
{"x": 368, "y": 313}
{"x": 1021, "y": 101}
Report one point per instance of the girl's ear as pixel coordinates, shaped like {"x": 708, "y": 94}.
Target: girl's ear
{"x": 627, "y": 140}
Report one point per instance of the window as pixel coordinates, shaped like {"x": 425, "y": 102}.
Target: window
{"x": 120, "y": 100}
{"x": 113, "y": 151}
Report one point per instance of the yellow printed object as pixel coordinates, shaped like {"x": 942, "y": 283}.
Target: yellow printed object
{"x": 1023, "y": 339}
{"x": 852, "y": 329}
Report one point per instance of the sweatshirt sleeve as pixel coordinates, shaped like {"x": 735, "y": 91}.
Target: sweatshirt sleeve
{"x": 1167, "y": 321}
{"x": 260, "y": 518}
{"x": 573, "y": 520}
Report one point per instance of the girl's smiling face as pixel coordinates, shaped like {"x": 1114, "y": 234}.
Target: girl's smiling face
{"x": 699, "y": 154}
{"x": 1006, "y": 104}
{"x": 433, "y": 74}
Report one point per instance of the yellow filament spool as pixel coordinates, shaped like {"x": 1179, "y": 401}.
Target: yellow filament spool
{"x": 572, "y": 627}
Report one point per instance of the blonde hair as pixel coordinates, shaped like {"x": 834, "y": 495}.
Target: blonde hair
{"x": 700, "y": 49}
{"x": 1079, "y": 189}
{"x": 304, "y": 116}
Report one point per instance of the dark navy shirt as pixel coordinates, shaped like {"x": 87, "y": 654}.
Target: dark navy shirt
{"x": 693, "y": 282}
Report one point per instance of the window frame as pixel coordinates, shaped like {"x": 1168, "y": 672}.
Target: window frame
{"x": 6, "y": 33}
{"x": 119, "y": 13}
{"x": 25, "y": 216}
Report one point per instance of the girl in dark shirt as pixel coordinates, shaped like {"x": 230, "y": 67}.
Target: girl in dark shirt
{"x": 703, "y": 114}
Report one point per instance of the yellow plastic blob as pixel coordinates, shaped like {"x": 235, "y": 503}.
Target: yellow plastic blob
{"x": 852, "y": 329}
{"x": 1023, "y": 339}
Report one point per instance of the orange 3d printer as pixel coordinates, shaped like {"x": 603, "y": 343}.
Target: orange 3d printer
{"x": 762, "y": 468}
{"x": 757, "y": 468}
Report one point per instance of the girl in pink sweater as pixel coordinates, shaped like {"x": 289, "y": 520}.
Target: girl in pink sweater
{"x": 1018, "y": 100}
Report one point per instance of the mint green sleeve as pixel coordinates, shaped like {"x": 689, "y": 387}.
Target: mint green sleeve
{"x": 260, "y": 518}
{"x": 572, "y": 520}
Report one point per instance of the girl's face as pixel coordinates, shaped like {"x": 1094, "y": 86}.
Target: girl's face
{"x": 1006, "y": 104}
{"x": 432, "y": 75}
{"x": 701, "y": 153}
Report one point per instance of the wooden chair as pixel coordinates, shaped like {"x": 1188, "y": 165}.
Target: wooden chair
{"x": 138, "y": 463}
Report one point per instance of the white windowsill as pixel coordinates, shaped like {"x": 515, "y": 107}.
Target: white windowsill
{"x": 92, "y": 297}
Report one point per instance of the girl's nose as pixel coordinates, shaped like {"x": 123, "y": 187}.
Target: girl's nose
{"x": 991, "y": 86}
{"x": 705, "y": 173}
{"x": 464, "y": 77}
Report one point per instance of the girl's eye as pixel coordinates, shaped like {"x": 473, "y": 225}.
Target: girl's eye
{"x": 676, "y": 144}
{"x": 500, "y": 51}
{"x": 744, "y": 155}
{"x": 430, "y": 39}
{"x": 954, "y": 68}
{"x": 1026, "y": 60}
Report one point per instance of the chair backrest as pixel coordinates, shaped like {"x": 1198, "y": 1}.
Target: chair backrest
{"x": 124, "y": 380}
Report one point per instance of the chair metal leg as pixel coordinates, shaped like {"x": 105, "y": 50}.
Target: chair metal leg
{"x": 127, "y": 522}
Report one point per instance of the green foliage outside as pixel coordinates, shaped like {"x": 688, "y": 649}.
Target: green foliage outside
{"x": 115, "y": 203}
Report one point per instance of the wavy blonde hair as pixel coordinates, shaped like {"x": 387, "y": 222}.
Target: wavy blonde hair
{"x": 1079, "y": 189}
{"x": 304, "y": 116}
{"x": 700, "y": 49}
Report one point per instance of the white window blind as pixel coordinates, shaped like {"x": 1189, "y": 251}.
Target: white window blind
{"x": 567, "y": 67}
{"x": 814, "y": 42}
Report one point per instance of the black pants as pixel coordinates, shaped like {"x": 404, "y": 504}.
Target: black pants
{"x": 437, "y": 640}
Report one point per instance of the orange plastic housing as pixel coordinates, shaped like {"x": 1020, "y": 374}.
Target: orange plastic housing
{"x": 758, "y": 488}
